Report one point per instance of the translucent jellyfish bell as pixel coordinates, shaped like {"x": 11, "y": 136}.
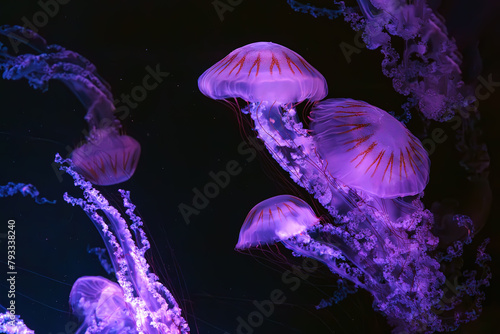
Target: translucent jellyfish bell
{"x": 98, "y": 301}
{"x": 275, "y": 219}
{"x": 368, "y": 149}
{"x": 263, "y": 71}
{"x": 107, "y": 157}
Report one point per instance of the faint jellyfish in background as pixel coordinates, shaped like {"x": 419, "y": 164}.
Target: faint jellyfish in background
{"x": 108, "y": 156}
{"x": 427, "y": 70}
{"x": 368, "y": 149}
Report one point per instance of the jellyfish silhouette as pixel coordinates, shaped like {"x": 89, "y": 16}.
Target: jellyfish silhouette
{"x": 368, "y": 149}
{"x": 107, "y": 157}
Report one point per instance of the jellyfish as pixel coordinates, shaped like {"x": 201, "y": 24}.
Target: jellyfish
{"x": 405, "y": 282}
{"x": 381, "y": 237}
{"x": 272, "y": 78}
{"x": 427, "y": 70}
{"x": 277, "y": 218}
{"x": 98, "y": 301}
{"x": 139, "y": 301}
{"x": 108, "y": 156}
{"x": 383, "y": 157}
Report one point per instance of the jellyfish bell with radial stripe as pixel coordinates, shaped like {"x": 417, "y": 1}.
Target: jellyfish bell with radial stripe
{"x": 368, "y": 149}
{"x": 107, "y": 157}
{"x": 276, "y": 219}
{"x": 263, "y": 71}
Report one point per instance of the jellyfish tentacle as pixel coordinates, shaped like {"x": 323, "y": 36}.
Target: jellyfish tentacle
{"x": 108, "y": 157}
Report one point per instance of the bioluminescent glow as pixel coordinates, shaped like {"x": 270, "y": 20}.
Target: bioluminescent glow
{"x": 108, "y": 157}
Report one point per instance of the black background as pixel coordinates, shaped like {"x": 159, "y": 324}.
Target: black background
{"x": 184, "y": 136}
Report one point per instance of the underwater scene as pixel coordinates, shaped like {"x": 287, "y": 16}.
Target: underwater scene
{"x": 249, "y": 167}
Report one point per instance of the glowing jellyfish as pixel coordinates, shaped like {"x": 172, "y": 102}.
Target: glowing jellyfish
{"x": 139, "y": 302}
{"x": 403, "y": 278}
{"x": 108, "y": 157}
{"x": 263, "y": 72}
{"x": 368, "y": 149}
{"x": 276, "y": 218}
{"x": 428, "y": 68}
{"x": 383, "y": 245}
{"x": 98, "y": 301}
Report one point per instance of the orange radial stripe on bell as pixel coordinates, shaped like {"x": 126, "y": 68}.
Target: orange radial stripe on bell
{"x": 289, "y": 61}
{"x": 306, "y": 65}
{"x": 402, "y": 164}
{"x": 379, "y": 159}
{"x": 274, "y": 62}
{"x": 355, "y": 127}
{"x": 255, "y": 63}
{"x": 390, "y": 162}
{"x": 358, "y": 142}
{"x": 229, "y": 61}
{"x": 364, "y": 153}
{"x": 241, "y": 62}
{"x": 412, "y": 162}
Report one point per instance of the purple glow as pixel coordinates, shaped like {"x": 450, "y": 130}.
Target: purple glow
{"x": 143, "y": 302}
{"x": 383, "y": 245}
{"x": 274, "y": 219}
{"x": 428, "y": 70}
{"x": 263, "y": 71}
{"x": 108, "y": 157}
{"x": 368, "y": 149}
{"x": 94, "y": 298}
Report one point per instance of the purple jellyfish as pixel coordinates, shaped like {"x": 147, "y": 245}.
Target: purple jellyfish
{"x": 383, "y": 157}
{"x": 263, "y": 72}
{"x": 276, "y": 219}
{"x": 404, "y": 279}
{"x": 98, "y": 301}
{"x": 108, "y": 157}
{"x": 384, "y": 245}
{"x": 139, "y": 303}
{"x": 428, "y": 69}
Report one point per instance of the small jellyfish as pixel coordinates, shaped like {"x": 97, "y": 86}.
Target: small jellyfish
{"x": 108, "y": 157}
{"x": 277, "y": 218}
{"x": 368, "y": 149}
{"x": 100, "y": 303}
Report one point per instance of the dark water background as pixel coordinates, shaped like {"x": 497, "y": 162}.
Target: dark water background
{"x": 184, "y": 136}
